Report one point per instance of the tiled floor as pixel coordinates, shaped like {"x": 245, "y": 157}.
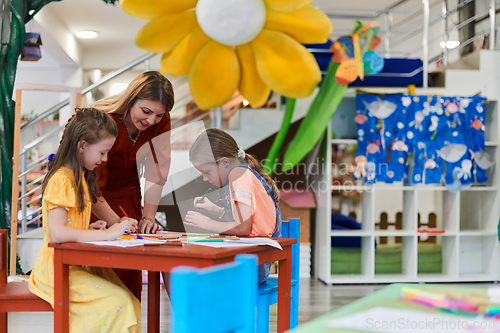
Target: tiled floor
{"x": 315, "y": 297}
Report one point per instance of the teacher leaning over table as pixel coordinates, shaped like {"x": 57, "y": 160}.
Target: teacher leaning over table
{"x": 143, "y": 143}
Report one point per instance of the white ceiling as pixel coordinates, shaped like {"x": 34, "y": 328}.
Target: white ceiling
{"x": 115, "y": 45}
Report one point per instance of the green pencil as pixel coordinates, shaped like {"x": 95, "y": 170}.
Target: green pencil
{"x": 204, "y": 240}
{"x": 203, "y": 197}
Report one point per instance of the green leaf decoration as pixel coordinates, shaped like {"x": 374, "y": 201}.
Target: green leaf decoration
{"x": 270, "y": 162}
{"x": 316, "y": 120}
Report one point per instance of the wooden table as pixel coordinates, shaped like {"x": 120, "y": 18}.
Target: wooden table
{"x": 156, "y": 259}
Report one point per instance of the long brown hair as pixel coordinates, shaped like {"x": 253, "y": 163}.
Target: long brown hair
{"x": 215, "y": 144}
{"x": 150, "y": 85}
{"x": 91, "y": 125}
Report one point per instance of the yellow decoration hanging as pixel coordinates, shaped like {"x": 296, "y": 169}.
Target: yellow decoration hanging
{"x": 224, "y": 45}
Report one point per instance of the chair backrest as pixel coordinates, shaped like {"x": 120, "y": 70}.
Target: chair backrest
{"x": 291, "y": 229}
{"x": 3, "y": 257}
{"x": 218, "y": 299}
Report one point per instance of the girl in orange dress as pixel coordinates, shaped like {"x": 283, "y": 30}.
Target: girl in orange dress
{"x": 143, "y": 143}
{"x": 248, "y": 197}
{"x": 99, "y": 301}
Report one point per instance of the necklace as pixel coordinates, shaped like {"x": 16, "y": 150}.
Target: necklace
{"x": 132, "y": 140}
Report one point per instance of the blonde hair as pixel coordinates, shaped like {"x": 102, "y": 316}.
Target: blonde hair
{"x": 91, "y": 125}
{"x": 215, "y": 144}
{"x": 150, "y": 85}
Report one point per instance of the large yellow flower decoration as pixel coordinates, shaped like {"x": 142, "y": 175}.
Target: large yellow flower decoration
{"x": 224, "y": 45}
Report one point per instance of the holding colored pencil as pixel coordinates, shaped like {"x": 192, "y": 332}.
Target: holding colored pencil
{"x": 125, "y": 213}
{"x": 203, "y": 197}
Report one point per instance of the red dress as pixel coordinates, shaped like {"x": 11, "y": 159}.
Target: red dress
{"x": 118, "y": 178}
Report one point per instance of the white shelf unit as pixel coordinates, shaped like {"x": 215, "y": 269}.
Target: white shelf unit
{"x": 470, "y": 249}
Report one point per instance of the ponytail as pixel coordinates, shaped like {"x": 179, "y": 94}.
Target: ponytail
{"x": 214, "y": 144}
{"x": 254, "y": 164}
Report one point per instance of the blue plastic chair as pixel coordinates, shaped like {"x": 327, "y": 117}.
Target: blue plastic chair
{"x": 267, "y": 292}
{"x": 215, "y": 299}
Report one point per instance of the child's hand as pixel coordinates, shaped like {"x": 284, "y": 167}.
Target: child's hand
{"x": 206, "y": 205}
{"x": 98, "y": 225}
{"x": 198, "y": 220}
{"x": 131, "y": 224}
{"x": 116, "y": 230}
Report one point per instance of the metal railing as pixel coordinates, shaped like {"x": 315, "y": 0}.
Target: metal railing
{"x": 439, "y": 25}
{"x": 26, "y": 216}
{"x": 420, "y": 11}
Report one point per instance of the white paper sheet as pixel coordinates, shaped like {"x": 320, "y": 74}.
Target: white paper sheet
{"x": 220, "y": 244}
{"x": 124, "y": 242}
{"x": 388, "y": 320}
{"x": 258, "y": 241}
{"x": 242, "y": 242}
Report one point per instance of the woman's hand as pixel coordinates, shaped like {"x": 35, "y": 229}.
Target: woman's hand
{"x": 148, "y": 227}
{"x": 198, "y": 220}
{"x": 98, "y": 225}
{"x": 207, "y": 206}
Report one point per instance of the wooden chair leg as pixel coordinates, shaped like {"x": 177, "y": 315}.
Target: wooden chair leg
{"x": 263, "y": 314}
{"x": 294, "y": 306}
{"x": 3, "y": 322}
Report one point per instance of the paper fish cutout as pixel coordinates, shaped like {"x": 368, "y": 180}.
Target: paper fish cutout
{"x": 355, "y": 54}
{"x": 381, "y": 109}
{"x": 483, "y": 159}
{"x": 453, "y": 152}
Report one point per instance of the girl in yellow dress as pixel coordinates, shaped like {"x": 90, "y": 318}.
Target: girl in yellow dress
{"x": 99, "y": 301}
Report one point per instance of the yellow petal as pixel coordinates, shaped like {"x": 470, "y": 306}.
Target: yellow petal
{"x": 307, "y": 24}
{"x": 162, "y": 34}
{"x": 150, "y": 9}
{"x": 251, "y": 85}
{"x": 214, "y": 76}
{"x": 286, "y": 5}
{"x": 285, "y": 65}
{"x": 180, "y": 60}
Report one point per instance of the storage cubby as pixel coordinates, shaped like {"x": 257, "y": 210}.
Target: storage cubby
{"x": 353, "y": 260}
{"x": 479, "y": 211}
{"x": 395, "y": 259}
{"x": 478, "y": 257}
{"x": 491, "y": 134}
{"x": 396, "y": 206}
{"x": 444, "y": 204}
{"x": 390, "y": 215}
{"x": 431, "y": 252}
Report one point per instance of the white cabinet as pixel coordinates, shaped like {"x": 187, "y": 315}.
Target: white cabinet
{"x": 469, "y": 246}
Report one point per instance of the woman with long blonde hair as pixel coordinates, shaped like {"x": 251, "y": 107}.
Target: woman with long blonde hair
{"x": 141, "y": 113}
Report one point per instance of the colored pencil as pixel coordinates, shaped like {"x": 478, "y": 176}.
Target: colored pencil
{"x": 203, "y": 197}
{"x": 125, "y": 213}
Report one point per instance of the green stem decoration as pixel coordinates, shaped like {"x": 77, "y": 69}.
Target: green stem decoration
{"x": 316, "y": 120}
{"x": 270, "y": 162}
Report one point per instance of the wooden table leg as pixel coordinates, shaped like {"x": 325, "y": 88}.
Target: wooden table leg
{"x": 284, "y": 285}
{"x": 61, "y": 294}
{"x": 153, "y": 302}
